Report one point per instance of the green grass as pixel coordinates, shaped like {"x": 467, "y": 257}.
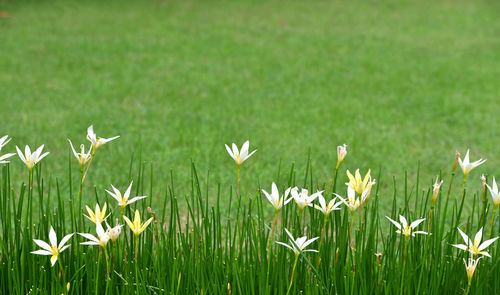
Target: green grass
{"x": 404, "y": 84}
{"x": 398, "y": 81}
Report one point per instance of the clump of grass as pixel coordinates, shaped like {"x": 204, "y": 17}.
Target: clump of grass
{"x": 196, "y": 244}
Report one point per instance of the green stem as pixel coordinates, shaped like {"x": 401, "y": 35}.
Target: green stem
{"x": 330, "y": 187}
{"x": 271, "y": 247}
{"x": 136, "y": 262}
{"x": 238, "y": 181}
{"x": 97, "y": 274}
{"x": 468, "y": 288}
{"x": 321, "y": 239}
{"x": 293, "y": 273}
{"x": 404, "y": 267}
{"x": 492, "y": 219}
{"x": 300, "y": 221}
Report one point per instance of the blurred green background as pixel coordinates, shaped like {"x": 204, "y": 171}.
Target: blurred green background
{"x": 398, "y": 81}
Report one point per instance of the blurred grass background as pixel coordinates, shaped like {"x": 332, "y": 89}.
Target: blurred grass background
{"x": 398, "y": 81}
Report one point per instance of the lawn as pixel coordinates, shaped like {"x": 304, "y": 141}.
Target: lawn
{"x": 400, "y": 82}
{"x": 404, "y": 84}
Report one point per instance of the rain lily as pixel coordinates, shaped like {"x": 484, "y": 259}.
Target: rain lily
{"x": 97, "y": 141}
{"x": 435, "y": 190}
{"x": 101, "y": 239}
{"x": 302, "y": 198}
{"x": 477, "y": 247}
{"x": 298, "y": 245}
{"x": 114, "y": 232}
{"x": 360, "y": 184}
{"x": 341, "y": 153}
{"x": 326, "y": 208}
{"x": 276, "y": 200}
{"x": 352, "y": 202}
{"x": 96, "y": 216}
{"x": 470, "y": 267}
{"x": 82, "y": 157}
{"x": 31, "y": 159}
{"x": 124, "y": 200}
{"x": 495, "y": 195}
{"x": 406, "y": 229}
{"x": 53, "y": 249}
{"x": 239, "y": 156}
{"x": 137, "y": 227}
{"x": 467, "y": 166}
{"x": 3, "y": 141}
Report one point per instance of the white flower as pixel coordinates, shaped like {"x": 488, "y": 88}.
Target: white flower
{"x": 303, "y": 199}
{"x": 475, "y": 248}
{"x": 276, "y": 200}
{"x": 352, "y": 202}
{"x": 239, "y": 156}
{"x": 3, "y": 141}
{"x": 467, "y": 166}
{"x": 124, "y": 200}
{"x": 114, "y": 232}
{"x": 101, "y": 239}
{"x": 359, "y": 184}
{"x": 31, "y": 159}
{"x": 470, "y": 267}
{"x": 341, "y": 153}
{"x": 326, "y": 209}
{"x": 53, "y": 249}
{"x": 406, "y": 229}
{"x": 298, "y": 245}
{"x": 435, "y": 189}
{"x": 97, "y": 141}
{"x": 82, "y": 156}
{"x": 495, "y": 195}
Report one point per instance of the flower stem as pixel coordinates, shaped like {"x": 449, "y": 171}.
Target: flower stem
{"x": 136, "y": 262}
{"x": 271, "y": 247}
{"x": 321, "y": 239}
{"x": 404, "y": 267}
{"x": 492, "y": 219}
{"x": 238, "y": 181}
{"x": 293, "y": 273}
{"x": 97, "y": 274}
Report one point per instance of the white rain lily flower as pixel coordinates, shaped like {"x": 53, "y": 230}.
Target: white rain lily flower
{"x": 101, "y": 239}
{"x": 405, "y": 229}
{"x": 495, "y": 195}
{"x": 29, "y": 158}
{"x": 326, "y": 208}
{"x": 53, "y": 249}
{"x": 470, "y": 267}
{"x": 298, "y": 245}
{"x": 239, "y": 156}
{"x": 435, "y": 189}
{"x": 302, "y": 198}
{"x": 97, "y": 216}
{"x": 82, "y": 157}
{"x": 341, "y": 153}
{"x": 97, "y": 141}
{"x": 137, "y": 226}
{"x": 3, "y": 141}
{"x": 352, "y": 202}
{"x": 114, "y": 232}
{"x": 467, "y": 166}
{"x": 477, "y": 247}
{"x": 275, "y": 199}
{"x": 124, "y": 200}
{"x": 359, "y": 184}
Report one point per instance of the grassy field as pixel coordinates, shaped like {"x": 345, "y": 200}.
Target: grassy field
{"x": 404, "y": 84}
{"x": 398, "y": 81}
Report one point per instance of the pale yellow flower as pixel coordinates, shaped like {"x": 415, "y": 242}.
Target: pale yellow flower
{"x": 359, "y": 184}
{"x": 137, "y": 227}
{"x": 97, "y": 216}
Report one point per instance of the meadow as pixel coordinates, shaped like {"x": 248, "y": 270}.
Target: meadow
{"x": 404, "y": 84}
